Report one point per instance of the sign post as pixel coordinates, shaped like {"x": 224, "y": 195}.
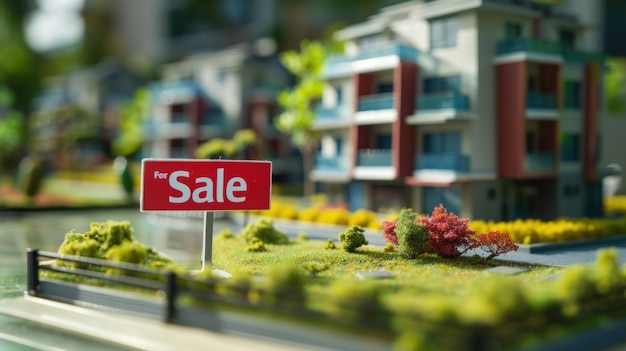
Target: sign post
{"x": 205, "y": 185}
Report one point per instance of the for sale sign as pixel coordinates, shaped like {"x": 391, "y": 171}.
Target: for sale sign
{"x": 205, "y": 185}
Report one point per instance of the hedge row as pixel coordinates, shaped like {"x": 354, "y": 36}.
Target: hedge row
{"x": 322, "y": 215}
{"x": 615, "y": 205}
{"x": 532, "y": 231}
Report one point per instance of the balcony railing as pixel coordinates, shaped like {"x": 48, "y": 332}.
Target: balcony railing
{"x": 340, "y": 64}
{"x": 529, "y": 45}
{"x": 405, "y": 53}
{"x": 582, "y": 56}
{"x": 326, "y": 113}
{"x": 457, "y": 163}
{"x": 374, "y": 158}
{"x": 546, "y": 47}
{"x": 337, "y": 163}
{"x": 373, "y": 102}
{"x": 541, "y": 101}
{"x": 438, "y": 102}
{"x": 539, "y": 162}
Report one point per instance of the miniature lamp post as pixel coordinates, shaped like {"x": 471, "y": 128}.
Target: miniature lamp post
{"x": 205, "y": 185}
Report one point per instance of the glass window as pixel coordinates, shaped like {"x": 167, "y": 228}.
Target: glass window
{"x": 570, "y": 148}
{"x": 572, "y": 95}
{"x": 384, "y": 88}
{"x": 442, "y": 143}
{"x": 512, "y": 31}
{"x": 442, "y": 85}
{"x": 450, "y": 197}
{"x": 443, "y": 32}
{"x": 567, "y": 38}
{"x": 383, "y": 141}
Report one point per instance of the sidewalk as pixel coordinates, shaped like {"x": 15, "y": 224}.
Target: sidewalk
{"x": 130, "y": 331}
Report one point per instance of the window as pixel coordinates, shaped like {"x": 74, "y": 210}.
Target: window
{"x": 572, "y": 95}
{"x": 450, "y": 197}
{"x": 571, "y": 190}
{"x": 570, "y": 148}
{"x": 443, "y": 32}
{"x": 339, "y": 96}
{"x": 383, "y": 141}
{"x": 442, "y": 85}
{"x": 384, "y": 88}
{"x": 442, "y": 143}
{"x": 512, "y": 31}
{"x": 567, "y": 38}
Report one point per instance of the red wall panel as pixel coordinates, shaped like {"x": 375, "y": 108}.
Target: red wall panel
{"x": 510, "y": 118}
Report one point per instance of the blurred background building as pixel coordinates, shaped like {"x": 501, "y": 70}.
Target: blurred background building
{"x": 499, "y": 108}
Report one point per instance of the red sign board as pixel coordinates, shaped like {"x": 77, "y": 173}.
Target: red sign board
{"x": 205, "y": 185}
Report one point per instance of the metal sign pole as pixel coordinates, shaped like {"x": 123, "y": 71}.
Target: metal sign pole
{"x": 207, "y": 245}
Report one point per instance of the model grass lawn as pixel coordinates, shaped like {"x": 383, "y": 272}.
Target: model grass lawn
{"x": 418, "y": 305}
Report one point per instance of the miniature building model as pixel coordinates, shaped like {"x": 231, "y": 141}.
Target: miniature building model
{"x": 491, "y": 107}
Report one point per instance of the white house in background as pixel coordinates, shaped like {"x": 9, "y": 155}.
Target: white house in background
{"x": 214, "y": 94}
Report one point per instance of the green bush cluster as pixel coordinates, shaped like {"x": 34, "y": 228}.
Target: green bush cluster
{"x": 330, "y": 245}
{"x": 263, "y": 230}
{"x": 257, "y": 246}
{"x": 114, "y": 241}
{"x": 412, "y": 237}
{"x": 352, "y": 238}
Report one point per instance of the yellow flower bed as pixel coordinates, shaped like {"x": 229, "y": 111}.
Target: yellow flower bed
{"x": 321, "y": 214}
{"x": 535, "y": 231}
{"x": 615, "y": 205}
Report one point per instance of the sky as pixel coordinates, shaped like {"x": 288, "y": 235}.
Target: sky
{"x": 56, "y": 23}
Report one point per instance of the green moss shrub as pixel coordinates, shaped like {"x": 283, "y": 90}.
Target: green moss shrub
{"x": 352, "y": 238}
{"x": 263, "y": 230}
{"x": 412, "y": 237}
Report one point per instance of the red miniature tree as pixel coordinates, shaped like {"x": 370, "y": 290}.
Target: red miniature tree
{"x": 389, "y": 232}
{"x": 496, "y": 243}
{"x": 450, "y": 235}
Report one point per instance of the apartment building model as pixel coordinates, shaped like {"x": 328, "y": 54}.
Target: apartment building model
{"x": 491, "y": 107}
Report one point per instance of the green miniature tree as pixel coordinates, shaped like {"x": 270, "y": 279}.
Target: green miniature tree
{"x": 298, "y": 102}
{"x": 352, "y": 238}
{"x": 130, "y": 139}
{"x": 11, "y": 127}
{"x": 412, "y": 237}
{"x": 227, "y": 148}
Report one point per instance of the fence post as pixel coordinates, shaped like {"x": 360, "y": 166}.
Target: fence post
{"x": 170, "y": 296}
{"x": 32, "y": 271}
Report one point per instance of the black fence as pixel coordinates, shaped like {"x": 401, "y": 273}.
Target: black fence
{"x": 166, "y": 296}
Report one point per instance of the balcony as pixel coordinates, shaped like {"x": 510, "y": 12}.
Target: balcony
{"x": 331, "y": 117}
{"x": 582, "y": 56}
{"x": 337, "y": 66}
{"x": 529, "y": 45}
{"x": 341, "y": 65}
{"x": 438, "y": 102}
{"x": 440, "y": 109}
{"x": 405, "y": 53}
{"x": 375, "y": 102}
{"x": 544, "y": 101}
{"x": 456, "y": 163}
{"x": 374, "y": 158}
{"x": 337, "y": 163}
{"x": 539, "y": 162}
{"x": 541, "y": 106}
